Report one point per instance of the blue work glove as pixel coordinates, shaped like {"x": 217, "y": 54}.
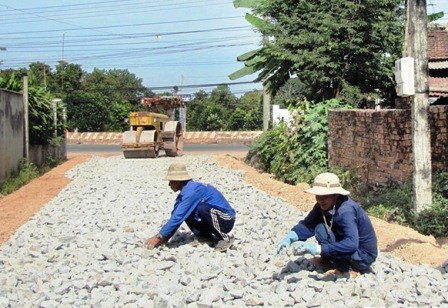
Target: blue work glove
{"x": 287, "y": 241}
{"x": 308, "y": 247}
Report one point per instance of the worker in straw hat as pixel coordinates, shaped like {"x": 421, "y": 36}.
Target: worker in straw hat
{"x": 202, "y": 207}
{"x": 346, "y": 240}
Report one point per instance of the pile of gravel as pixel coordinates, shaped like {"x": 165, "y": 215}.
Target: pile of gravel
{"x": 85, "y": 249}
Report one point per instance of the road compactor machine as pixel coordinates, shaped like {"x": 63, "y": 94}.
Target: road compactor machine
{"x": 155, "y": 129}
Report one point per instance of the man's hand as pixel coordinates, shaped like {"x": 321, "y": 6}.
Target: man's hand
{"x": 287, "y": 241}
{"x": 310, "y": 247}
{"x": 154, "y": 241}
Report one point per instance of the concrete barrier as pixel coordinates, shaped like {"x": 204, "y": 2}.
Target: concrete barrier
{"x": 188, "y": 137}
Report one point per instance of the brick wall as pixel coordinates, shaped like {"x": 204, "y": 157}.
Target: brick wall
{"x": 377, "y": 145}
{"x": 437, "y": 43}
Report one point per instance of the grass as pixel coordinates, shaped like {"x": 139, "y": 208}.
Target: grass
{"x": 395, "y": 204}
{"x": 27, "y": 171}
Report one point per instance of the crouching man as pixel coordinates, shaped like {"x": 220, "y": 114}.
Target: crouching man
{"x": 202, "y": 207}
{"x": 346, "y": 240}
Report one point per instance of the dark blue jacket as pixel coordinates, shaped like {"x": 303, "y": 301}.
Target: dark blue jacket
{"x": 352, "y": 228}
{"x": 191, "y": 195}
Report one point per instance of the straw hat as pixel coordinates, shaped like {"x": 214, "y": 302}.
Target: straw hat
{"x": 177, "y": 172}
{"x": 327, "y": 184}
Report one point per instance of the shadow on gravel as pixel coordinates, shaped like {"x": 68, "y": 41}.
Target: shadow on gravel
{"x": 298, "y": 265}
{"x": 180, "y": 238}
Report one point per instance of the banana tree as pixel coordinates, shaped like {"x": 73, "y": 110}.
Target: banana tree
{"x": 273, "y": 69}
{"x": 274, "y": 72}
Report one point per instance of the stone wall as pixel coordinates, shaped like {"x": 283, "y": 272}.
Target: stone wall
{"x": 377, "y": 145}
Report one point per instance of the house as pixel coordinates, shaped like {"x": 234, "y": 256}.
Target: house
{"x": 438, "y": 63}
{"x": 281, "y": 115}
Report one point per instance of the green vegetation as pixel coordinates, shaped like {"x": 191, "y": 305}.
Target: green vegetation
{"x": 394, "y": 204}
{"x": 41, "y": 127}
{"x": 299, "y": 155}
{"x": 345, "y": 50}
{"x": 102, "y": 100}
{"x": 221, "y": 110}
{"x": 26, "y": 172}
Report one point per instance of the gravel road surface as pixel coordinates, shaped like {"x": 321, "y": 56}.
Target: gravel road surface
{"x": 85, "y": 249}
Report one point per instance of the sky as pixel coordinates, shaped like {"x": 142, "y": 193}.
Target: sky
{"x": 192, "y": 44}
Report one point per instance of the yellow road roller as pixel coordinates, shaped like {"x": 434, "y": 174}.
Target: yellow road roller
{"x": 151, "y": 131}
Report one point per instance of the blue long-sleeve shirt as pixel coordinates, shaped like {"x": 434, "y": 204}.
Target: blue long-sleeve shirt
{"x": 191, "y": 195}
{"x": 352, "y": 228}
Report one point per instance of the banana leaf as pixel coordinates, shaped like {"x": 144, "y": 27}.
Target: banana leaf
{"x": 257, "y": 22}
{"x": 248, "y": 55}
{"x": 247, "y": 70}
{"x": 435, "y": 16}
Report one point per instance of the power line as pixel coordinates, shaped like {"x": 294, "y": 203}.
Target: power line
{"x": 107, "y": 10}
{"x": 132, "y": 42}
{"x": 204, "y": 85}
{"x": 127, "y": 25}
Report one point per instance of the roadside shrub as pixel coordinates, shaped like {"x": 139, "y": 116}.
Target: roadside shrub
{"x": 392, "y": 204}
{"x": 298, "y": 154}
{"x": 266, "y": 147}
{"x": 395, "y": 204}
{"x": 26, "y": 172}
{"x": 440, "y": 184}
{"x": 434, "y": 221}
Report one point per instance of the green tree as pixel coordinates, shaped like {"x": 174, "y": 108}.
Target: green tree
{"x": 119, "y": 115}
{"x": 42, "y": 72}
{"x": 214, "y": 122}
{"x": 335, "y": 49}
{"x": 40, "y": 110}
{"x": 237, "y": 119}
{"x": 252, "y": 104}
{"x": 65, "y": 79}
{"x": 212, "y": 118}
{"x": 194, "y": 109}
{"x": 293, "y": 91}
{"x": 223, "y": 96}
{"x": 87, "y": 112}
{"x": 253, "y": 120}
{"x": 108, "y": 97}
{"x": 116, "y": 85}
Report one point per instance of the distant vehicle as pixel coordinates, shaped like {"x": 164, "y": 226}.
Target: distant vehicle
{"x": 153, "y": 130}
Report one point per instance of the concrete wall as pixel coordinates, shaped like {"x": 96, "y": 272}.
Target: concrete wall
{"x": 377, "y": 145}
{"x": 11, "y": 132}
{"x": 40, "y": 154}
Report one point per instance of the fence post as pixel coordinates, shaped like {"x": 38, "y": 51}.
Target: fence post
{"x": 25, "y": 118}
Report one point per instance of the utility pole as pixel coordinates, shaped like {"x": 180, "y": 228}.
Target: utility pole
{"x": 266, "y": 99}
{"x": 421, "y": 133}
{"x": 266, "y": 108}
{"x": 2, "y": 49}
{"x": 62, "y": 63}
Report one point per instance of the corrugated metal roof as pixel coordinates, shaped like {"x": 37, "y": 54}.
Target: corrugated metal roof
{"x": 438, "y": 65}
